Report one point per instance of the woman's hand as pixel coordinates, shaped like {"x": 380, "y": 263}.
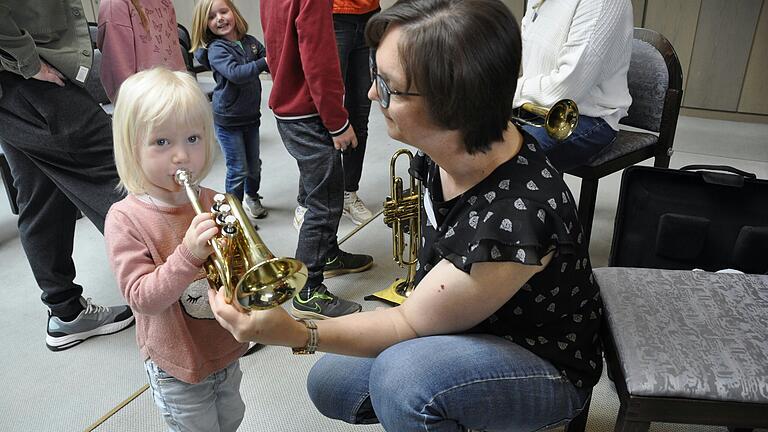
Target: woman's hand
{"x": 270, "y": 327}
{"x": 202, "y": 229}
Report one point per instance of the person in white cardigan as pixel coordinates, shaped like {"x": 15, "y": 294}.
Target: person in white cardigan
{"x": 580, "y": 50}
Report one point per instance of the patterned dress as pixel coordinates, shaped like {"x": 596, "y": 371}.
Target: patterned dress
{"x": 521, "y": 212}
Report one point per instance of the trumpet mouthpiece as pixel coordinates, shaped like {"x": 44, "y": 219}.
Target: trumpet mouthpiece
{"x": 182, "y": 176}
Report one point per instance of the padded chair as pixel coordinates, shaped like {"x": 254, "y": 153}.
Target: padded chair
{"x": 655, "y": 82}
{"x": 686, "y": 347}
{"x": 193, "y": 66}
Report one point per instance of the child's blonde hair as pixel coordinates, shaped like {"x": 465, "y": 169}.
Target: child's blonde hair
{"x": 201, "y": 34}
{"x": 149, "y": 98}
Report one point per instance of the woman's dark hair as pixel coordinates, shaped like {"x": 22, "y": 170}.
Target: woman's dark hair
{"x": 463, "y": 56}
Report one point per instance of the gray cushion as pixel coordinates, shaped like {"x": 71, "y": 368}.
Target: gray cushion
{"x": 689, "y": 334}
{"x": 626, "y": 142}
{"x": 648, "y": 80}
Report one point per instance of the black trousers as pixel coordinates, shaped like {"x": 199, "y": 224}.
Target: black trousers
{"x": 58, "y": 143}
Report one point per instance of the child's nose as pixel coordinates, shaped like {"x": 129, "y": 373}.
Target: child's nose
{"x": 180, "y": 156}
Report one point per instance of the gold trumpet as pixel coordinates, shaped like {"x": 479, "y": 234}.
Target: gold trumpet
{"x": 402, "y": 213}
{"x": 240, "y": 262}
{"x": 559, "y": 120}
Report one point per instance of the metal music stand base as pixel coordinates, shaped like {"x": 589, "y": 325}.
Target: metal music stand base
{"x": 389, "y": 295}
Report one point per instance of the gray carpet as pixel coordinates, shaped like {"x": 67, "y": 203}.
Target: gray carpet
{"x": 70, "y": 390}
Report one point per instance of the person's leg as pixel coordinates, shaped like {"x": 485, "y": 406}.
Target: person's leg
{"x": 48, "y": 246}
{"x": 319, "y": 163}
{"x": 309, "y": 142}
{"x": 338, "y": 387}
{"x": 252, "y": 199}
{"x": 354, "y": 56}
{"x": 232, "y": 142}
{"x": 357, "y": 82}
{"x": 253, "y": 159}
{"x": 590, "y": 137}
{"x": 479, "y": 382}
{"x": 59, "y": 146}
{"x": 184, "y": 407}
{"x": 229, "y": 402}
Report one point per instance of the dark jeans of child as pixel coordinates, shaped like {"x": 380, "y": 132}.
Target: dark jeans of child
{"x": 354, "y": 53}
{"x": 321, "y": 179}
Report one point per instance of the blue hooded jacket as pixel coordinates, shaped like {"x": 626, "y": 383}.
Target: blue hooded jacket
{"x": 237, "y": 95}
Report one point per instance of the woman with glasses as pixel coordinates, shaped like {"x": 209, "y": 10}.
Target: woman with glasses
{"x": 501, "y": 332}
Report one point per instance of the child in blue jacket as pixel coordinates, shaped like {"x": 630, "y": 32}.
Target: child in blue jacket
{"x": 220, "y": 42}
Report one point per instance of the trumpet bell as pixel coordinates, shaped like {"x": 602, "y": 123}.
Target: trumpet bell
{"x": 271, "y": 283}
{"x": 562, "y": 119}
{"x": 559, "y": 120}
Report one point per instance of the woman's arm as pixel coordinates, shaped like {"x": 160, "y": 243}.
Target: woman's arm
{"x": 446, "y": 301}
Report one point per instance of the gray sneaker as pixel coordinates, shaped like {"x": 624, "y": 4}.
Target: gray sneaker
{"x": 253, "y": 207}
{"x": 94, "y": 320}
{"x": 323, "y": 304}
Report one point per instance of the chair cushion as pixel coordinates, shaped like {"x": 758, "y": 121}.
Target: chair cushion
{"x": 688, "y": 334}
{"x": 648, "y": 80}
{"x": 626, "y": 142}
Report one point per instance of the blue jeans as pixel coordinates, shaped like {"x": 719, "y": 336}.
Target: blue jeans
{"x": 240, "y": 145}
{"x": 446, "y": 383}
{"x": 353, "y": 53}
{"x": 321, "y": 191}
{"x": 591, "y": 136}
{"x": 212, "y": 405}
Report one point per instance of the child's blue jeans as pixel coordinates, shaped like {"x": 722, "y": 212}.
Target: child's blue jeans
{"x": 240, "y": 145}
{"x": 212, "y": 405}
{"x": 446, "y": 383}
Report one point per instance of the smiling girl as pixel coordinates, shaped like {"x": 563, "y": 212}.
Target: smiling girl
{"x": 220, "y": 43}
{"x": 157, "y": 246}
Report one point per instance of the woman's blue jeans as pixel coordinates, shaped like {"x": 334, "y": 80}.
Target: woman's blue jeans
{"x": 446, "y": 383}
{"x": 240, "y": 145}
{"x": 591, "y": 136}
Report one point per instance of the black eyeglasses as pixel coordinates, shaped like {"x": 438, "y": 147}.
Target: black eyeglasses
{"x": 385, "y": 93}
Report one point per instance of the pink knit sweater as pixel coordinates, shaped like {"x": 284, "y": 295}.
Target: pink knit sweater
{"x": 166, "y": 288}
{"x": 128, "y": 48}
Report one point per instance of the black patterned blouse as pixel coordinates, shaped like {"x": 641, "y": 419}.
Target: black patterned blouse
{"x": 521, "y": 212}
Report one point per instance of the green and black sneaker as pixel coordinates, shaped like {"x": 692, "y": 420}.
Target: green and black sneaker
{"x": 345, "y": 262}
{"x": 322, "y": 304}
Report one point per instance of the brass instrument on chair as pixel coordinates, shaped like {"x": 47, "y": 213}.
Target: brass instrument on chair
{"x": 240, "y": 262}
{"x": 559, "y": 120}
{"x": 402, "y": 213}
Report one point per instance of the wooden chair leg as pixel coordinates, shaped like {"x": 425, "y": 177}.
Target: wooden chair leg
{"x": 587, "y": 201}
{"x": 579, "y": 423}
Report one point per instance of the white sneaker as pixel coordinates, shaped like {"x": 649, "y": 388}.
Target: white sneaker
{"x": 298, "y": 217}
{"x": 355, "y": 209}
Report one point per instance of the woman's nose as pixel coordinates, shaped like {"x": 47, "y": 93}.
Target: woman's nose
{"x": 372, "y": 92}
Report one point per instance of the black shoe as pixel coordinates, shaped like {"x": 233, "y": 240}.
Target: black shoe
{"x": 345, "y": 263}
{"x": 323, "y": 304}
